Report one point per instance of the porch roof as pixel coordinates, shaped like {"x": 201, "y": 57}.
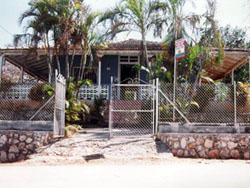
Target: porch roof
{"x": 32, "y": 62}
{"x": 233, "y": 59}
{"x": 35, "y": 63}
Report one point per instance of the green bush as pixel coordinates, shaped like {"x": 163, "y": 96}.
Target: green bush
{"x": 37, "y": 92}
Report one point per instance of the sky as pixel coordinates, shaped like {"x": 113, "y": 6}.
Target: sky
{"x": 232, "y": 12}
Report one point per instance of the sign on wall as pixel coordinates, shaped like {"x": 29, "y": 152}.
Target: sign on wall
{"x": 179, "y": 49}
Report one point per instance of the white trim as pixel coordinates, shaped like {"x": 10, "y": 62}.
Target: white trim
{"x": 126, "y": 63}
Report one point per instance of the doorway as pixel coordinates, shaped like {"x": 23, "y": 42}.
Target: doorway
{"x": 128, "y": 73}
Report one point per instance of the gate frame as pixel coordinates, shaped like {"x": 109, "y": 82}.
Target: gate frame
{"x": 153, "y": 98}
{"x": 60, "y": 95}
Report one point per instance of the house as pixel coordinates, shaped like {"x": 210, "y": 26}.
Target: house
{"x": 117, "y": 60}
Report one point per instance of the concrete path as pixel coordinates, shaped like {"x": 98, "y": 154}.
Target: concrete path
{"x": 170, "y": 175}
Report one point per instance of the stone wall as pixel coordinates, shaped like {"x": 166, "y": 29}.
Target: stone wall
{"x": 17, "y": 145}
{"x": 209, "y": 146}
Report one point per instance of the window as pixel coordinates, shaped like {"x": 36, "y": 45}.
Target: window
{"x": 129, "y": 59}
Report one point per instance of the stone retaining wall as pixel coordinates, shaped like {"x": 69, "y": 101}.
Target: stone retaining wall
{"x": 17, "y": 145}
{"x": 209, "y": 146}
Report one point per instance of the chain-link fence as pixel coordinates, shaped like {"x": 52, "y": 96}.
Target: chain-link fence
{"x": 131, "y": 109}
{"x": 27, "y": 102}
{"x": 204, "y": 103}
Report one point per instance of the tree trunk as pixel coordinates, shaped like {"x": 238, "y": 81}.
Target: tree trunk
{"x": 49, "y": 59}
{"x": 83, "y": 66}
{"x": 58, "y": 62}
{"x": 67, "y": 63}
{"x": 72, "y": 62}
{"x": 145, "y": 54}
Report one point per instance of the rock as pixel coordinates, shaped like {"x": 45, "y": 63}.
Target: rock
{"x": 30, "y": 147}
{"x": 199, "y": 148}
{"x": 13, "y": 149}
{"x": 199, "y": 141}
{"x": 224, "y": 154}
{"x": 25, "y": 151}
{"x": 183, "y": 143}
{"x": 208, "y": 143}
{"x": 192, "y": 153}
{"x": 10, "y": 141}
{"x": 225, "y": 138}
{"x": 191, "y": 146}
{"x": 202, "y": 154}
{"x": 235, "y": 154}
{"x": 15, "y": 141}
{"x": 217, "y": 144}
{"x": 15, "y": 135}
{"x": 180, "y": 153}
{"x": 3, "y": 156}
{"x": 29, "y": 133}
{"x": 214, "y": 153}
{"x": 21, "y": 145}
{"x": 174, "y": 151}
{"x": 11, "y": 157}
{"x": 186, "y": 153}
{"x": 191, "y": 139}
{"x": 22, "y": 138}
{"x": 3, "y": 139}
{"x": 176, "y": 145}
{"x": 223, "y": 144}
{"x": 21, "y": 157}
{"x": 29, "y": 140}
{"x": 246, "y": 155}
{"x": 231, "y": 145}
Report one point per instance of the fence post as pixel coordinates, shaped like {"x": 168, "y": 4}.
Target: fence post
{"x": 156, "y": 105}
{"x": 1, "y": 66}
{"x": 235, "y": 108}
{"x": 110, "y": 108}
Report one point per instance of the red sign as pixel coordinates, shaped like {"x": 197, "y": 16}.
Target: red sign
{"x": 180, "y": 49}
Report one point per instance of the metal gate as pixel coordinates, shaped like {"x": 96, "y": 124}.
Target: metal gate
{"x": 132, "y": 109}
{"x": 59, "y": 112}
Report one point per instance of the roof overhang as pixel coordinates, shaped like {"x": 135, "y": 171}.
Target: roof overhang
{"x": 233, "y": 59}
{"x": 35, "y": 62}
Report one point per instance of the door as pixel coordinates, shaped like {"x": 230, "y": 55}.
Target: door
{"x": 128, "y": 73}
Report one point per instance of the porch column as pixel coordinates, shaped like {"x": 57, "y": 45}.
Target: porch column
{"x": 2, "y": 60}
{"x": 248, "y": 68}
{"x": 99, "y": 74}
{"x": 232, "y": 79}
{"x": 150, "y": 61}
{"x": 21, "y": 74}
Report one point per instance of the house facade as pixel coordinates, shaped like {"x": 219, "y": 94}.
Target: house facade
{"x": 115, "y": 60}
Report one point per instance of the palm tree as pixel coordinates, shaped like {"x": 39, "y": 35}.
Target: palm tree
{"x": 40, "y": 23}
{"x": 52, "y": 21}
{"x": 134, "y": 15}
{"x": 178, "y": 22}
{"x": 88, "y": 39}
{"x": 68, "y": 13}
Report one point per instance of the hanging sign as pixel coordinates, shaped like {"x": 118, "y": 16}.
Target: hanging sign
{"x": 179, "y": 49}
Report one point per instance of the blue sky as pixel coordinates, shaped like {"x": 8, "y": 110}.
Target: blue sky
{"x": 233, "y": 12}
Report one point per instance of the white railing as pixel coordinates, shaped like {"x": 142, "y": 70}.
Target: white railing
{"x": 91, "y": 93}
{"x": 17, "y": 91}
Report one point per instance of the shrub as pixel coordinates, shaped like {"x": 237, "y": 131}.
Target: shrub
{"x": 37, "y": 92}
{"x": 203, "y": 95}
{"x": 5, "y": 85}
